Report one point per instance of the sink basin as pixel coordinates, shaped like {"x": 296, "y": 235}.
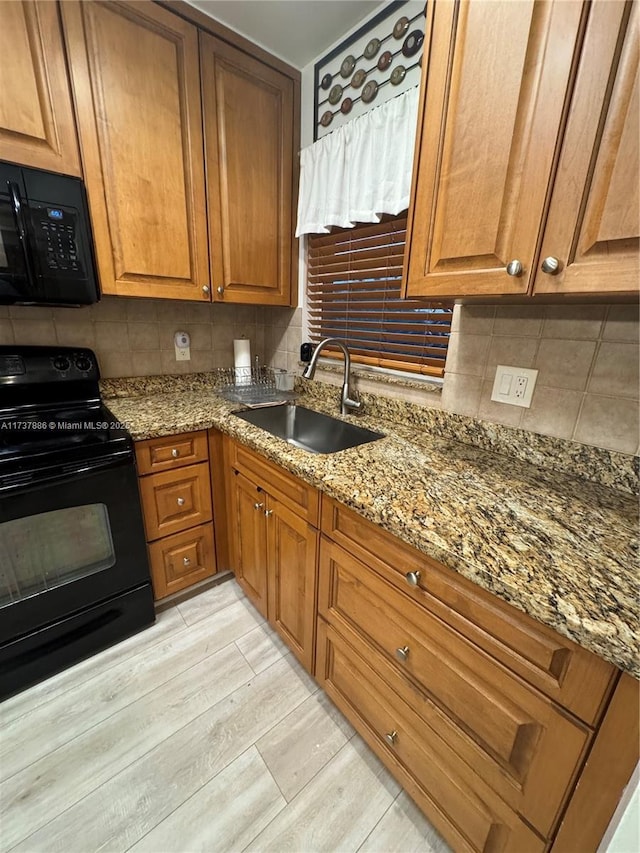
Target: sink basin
{"x": 307, "y": 429}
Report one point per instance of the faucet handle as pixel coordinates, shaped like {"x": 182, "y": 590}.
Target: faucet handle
{"x": 349, "y": 403}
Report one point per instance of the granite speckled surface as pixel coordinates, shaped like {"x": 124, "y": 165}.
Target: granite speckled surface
{"x": 562, "y": 549}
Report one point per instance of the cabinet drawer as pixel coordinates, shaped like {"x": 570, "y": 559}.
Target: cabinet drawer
{"x": 181, "y": 560}
{"x": 298, "y": 496}
{"x": 174, "y": 451}
{"x": 572, "y": 676}
{"x": 176, "y": 500}
{"x": 509, "y": 733}
{"x": 457, "y": 801}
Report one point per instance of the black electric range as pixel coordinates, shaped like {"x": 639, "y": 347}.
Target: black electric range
{"x": 74, "y": 574}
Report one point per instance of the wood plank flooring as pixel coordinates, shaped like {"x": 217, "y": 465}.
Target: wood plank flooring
{"x": 201, "y": 733}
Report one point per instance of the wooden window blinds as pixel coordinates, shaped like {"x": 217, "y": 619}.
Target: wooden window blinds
{"x": 353, "y": 293}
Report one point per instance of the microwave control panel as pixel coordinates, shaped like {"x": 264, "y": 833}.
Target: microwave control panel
{"x": 54, "y": 229}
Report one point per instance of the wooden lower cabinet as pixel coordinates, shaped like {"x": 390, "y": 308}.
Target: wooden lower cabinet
{"x": 273, "y": 546}
{"x": 291, "y": 549}
{"x": 508, "y": 736}
{"x": 177, "y": 509}
{"x": 500, "y": 729}
{"x": 179, "y": 561}
{"x": 459, "y": 803}
{"x": 571, "y": 676}
{"x": 514, "y": 738}
{"x": 248, "y": 535}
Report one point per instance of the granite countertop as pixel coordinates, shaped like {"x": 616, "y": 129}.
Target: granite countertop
{"x": 560, "y": 548}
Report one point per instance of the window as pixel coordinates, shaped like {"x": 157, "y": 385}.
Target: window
{"x": 353, "y": 293}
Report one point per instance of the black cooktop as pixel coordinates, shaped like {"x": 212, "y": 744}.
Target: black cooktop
{"x": 51, "y": 413}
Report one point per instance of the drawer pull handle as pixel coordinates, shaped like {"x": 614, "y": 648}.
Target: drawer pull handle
{"x": 186, "y": 561}
{"x": 180, "y": 501}
{"x": 403, "y": 653}
{"x": 175, "y": 453}
{"x": 413, "y": 578}
{"x": 258, "y": 506}
{"x": 391, "y": 737}
{"x": 268, "y": 512}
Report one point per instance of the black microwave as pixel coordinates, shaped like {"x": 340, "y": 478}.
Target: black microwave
{"x": 46, "y": 248}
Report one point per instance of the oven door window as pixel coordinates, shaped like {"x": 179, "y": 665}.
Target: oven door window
{"x": 44, "y": 551}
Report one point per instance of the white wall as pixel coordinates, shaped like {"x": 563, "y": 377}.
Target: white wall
{"x": 623, "y": 834}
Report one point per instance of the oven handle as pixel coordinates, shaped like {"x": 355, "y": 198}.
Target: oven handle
{"x": 60, "y": 473}
{"x": 18, "y": 213}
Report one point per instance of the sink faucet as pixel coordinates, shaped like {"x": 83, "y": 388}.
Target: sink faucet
{"x": 347, "y": 403}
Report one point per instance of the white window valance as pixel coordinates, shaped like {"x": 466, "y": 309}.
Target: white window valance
{"x": 361, "y": 170}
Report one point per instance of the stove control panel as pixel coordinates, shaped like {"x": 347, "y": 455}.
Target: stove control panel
{"x": 44, "y": 365}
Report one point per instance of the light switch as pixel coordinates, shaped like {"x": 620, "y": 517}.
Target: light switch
{"x": 505, "y": 384}
{"x": 514, "y": 385}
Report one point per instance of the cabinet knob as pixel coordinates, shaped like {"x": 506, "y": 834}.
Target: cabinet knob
{"x": 205, "y": 289}
{"x": 268, "y": 512}
{"x": 220, "y": 290}
{"x": 403, "y": 653}
{"x": 391, "y": 737}
{"x": 514, "y": 267}
{"x": 175, "y": 453}
{"x": 551, "y": 266}
{"x": 258, "y": 506}
{"x": 180, "y": 501}
{"x": 413, "y": 578}
{"x": 186, "y": 561}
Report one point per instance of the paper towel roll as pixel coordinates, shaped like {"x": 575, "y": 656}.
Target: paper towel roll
{"x": 242, "y": 361}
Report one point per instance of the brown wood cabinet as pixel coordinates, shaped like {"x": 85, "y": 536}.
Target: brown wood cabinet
{"x": 459, "y": 803}
{"x": 273, "y": 545}
{"x": 498, "y": 85}
{"x": 509, "y": 735}
{"x": 573, "y": 677}
{"x": 136, "y": 83}
{"x": 177, "y": 510}
{"x": 249, "y": 115}
{"x": 593, "y": 226}
{"x": 37, "y": 125}
{"x": 499, "y": 728}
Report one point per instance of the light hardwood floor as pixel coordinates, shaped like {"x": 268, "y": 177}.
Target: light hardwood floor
{"x": 201, "y": 733}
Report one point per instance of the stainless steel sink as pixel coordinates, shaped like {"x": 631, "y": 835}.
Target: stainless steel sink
{"x": 307, "y": 429}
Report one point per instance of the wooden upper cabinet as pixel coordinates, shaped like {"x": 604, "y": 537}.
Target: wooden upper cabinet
{"x": 135, "y": 77}
{"x": 593, "y": 226}
{"x": 494, "y": 88}
{"x": 249, "y": 111}
{"x": 37, "y": 126}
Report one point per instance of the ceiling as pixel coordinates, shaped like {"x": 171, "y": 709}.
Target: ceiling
{"x": 297, "y": 31}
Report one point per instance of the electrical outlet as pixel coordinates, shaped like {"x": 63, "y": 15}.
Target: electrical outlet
{"x": 182, "y": 344}
{"x": 514, "y": 385}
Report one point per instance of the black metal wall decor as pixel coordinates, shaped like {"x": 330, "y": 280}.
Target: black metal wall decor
{"x": 381, "y": 60}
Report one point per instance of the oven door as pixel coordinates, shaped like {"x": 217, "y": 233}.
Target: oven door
{"x": 68, "y": 542}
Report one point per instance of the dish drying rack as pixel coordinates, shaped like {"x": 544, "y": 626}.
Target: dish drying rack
{"x": 254, "y": 386}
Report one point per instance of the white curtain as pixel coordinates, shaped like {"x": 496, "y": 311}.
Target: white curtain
{"x": 361, "y": 170}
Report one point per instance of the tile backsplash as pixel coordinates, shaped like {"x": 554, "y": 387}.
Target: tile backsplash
{"x": 134, "y": 337}
{"x": 587, "y": 357}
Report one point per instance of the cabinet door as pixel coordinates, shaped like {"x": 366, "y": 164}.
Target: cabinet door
{"x": 37, "y": 126}
{"x": 248, "y": 538}
{"x": 292, "y": 544}
{"x": 248, "y": 115}
{"x": 136, "y": 82}
{"x": 493, "y": 91}
{"x": 593, "y": 226}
